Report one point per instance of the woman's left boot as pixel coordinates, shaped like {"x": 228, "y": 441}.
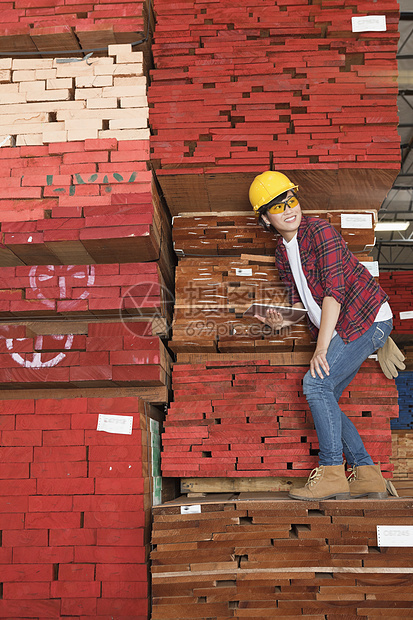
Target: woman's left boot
{"x": 324, "y": 482}
{"x": 367, "y": 481}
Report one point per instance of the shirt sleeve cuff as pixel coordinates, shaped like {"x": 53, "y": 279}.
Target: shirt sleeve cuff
{"x": 337, "y": 295}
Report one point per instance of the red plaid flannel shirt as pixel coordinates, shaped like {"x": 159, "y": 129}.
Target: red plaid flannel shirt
{"x": 332, "y": 270}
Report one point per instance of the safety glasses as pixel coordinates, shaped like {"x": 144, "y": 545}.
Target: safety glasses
{"x": 280, "y": 207}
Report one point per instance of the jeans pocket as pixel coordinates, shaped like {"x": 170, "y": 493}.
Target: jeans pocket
{"x": 381, "y": 333}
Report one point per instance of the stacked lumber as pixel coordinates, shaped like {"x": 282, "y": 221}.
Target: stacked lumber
{"x": 87, "y": 270}
{"x": 101, "y": 98}
{"x": 402, "y": 457}
{"x": 97, "y": 355}
{"x": 211, "y": 295}
{"x": 68, "y": 176}
{"x": 235, "y": 233}
{"x": 48, "y": 27}
{"x": 246, "y": 418}
{"x": 275, "y": 85}
{"x": 262, "y": 556}
{"x": 125, "y": 227}
{"x": 120, "y": 290}
{"x": 75, "y": 507}
{"x": 399, "y": 287}
{"x": 404, "y": 383}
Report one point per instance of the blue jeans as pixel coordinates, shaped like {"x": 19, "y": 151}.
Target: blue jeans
{"x": 336, "y": 433}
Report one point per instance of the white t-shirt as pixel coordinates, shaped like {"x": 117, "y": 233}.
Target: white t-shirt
{"x": 314, "y": 310}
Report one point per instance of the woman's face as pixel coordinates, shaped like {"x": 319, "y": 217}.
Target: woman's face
{"x": 285, "y": 223}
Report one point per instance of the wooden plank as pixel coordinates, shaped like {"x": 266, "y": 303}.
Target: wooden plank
{"x": 275, "y": 359}
{"x": 195, "y": 487}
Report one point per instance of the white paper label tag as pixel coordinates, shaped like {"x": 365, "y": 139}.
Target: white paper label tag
{"x": 395, "y": 535}
{"x": 356, "y": 220}
{"x": 373, "y": 267}
{"x": 408, "y": 314}
{"x": 243, "y": 272}
{"x": 365, "y": 23}
{"x": 374, "y": 356}
{"x": 191, "y": 510}
{"x": 121, "y": 424}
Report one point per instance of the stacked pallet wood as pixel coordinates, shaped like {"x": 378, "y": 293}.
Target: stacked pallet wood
{"x": 75, "y": 506}
{"x": 399, "y": 287}
{"x": 211, "y": 295}
{"x": 119, "y": 290}
{"x": 250, "y": 419}
{"x": 84, "y": 299}
{"x": 97, "y": 355}
{"x": 234, "y": 233}
{"x": 281, "y": 85}
{"x": 101, "y": 98}
{"x": 402, "y": 459}
{"x": 261, "y": 556}
{"x": 44, "y": 27}
{"x": 404, "y": 383}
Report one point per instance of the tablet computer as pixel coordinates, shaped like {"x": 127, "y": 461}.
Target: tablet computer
{"x": 290, "y": 315}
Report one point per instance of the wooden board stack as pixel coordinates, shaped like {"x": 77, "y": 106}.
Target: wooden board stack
{"x": 235, "y": 233}
{"x": 402, "y": 435}
{"x": 404, "y": 383}
{"x": 75, "y": 507}
{"x": 97, "y": 355}
{"x": 118, "y": 290}
{"x": 278, "y": 84}
{"x": 87, "y": 261}
{"x": 399, "y": 287}
{"x": 49, "y": 27}
{"x": 258, "y": 556}
{"x": 101, "y": 98}
{"x": 250, "y": 419}
{"x": 211, "y": 295}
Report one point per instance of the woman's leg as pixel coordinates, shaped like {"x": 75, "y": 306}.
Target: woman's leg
{"x": 334, "y": 430}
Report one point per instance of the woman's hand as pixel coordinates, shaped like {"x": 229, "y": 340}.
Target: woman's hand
{"x": 318, "y": 362}
{"x": 272, "y": 318}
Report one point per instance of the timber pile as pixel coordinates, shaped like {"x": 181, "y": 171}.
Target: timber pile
{"x": 76, "y": 507}
{"x": 257, "y": 556}
{"x": 48, "y": 27}
{"x": 235, "y": 233}
{"x": 404, "y": 383}
{"x": 121, "y": 228}
{"x": 250, "y": 419}
{"x": 101, "y": 98}
{"x": 84, "y": 236}
{"x": 120, "y": 290}
{"x": 402, "y": 459}
{"x": 97, "y": 355}
{"x": 211, "y": 295}
{"x": 282, "y": 85}
{"x": 399, "y": 287}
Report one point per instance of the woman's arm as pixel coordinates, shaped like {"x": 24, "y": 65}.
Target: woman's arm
{"x": 330, "y": 311}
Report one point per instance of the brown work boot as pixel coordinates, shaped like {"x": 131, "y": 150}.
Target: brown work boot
{"x": 324, "y": 482}
{"x": 367, "y": 481}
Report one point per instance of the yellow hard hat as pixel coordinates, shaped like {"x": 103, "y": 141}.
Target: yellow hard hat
{"x": 267, "y": 186}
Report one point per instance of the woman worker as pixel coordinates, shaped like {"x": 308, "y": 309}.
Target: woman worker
{"x": 350, "y": 318}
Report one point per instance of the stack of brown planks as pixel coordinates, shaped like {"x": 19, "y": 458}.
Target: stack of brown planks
{"x": 257, "y": 556}
{"x": 235, "y": 233}
{"x": 211, "y": 295}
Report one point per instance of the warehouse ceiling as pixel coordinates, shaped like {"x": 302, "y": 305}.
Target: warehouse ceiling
{"x": 394, "y": 250}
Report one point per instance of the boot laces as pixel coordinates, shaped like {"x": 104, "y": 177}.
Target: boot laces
{"x": 353, "y": 475}
{"x": 314, "y": 476}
